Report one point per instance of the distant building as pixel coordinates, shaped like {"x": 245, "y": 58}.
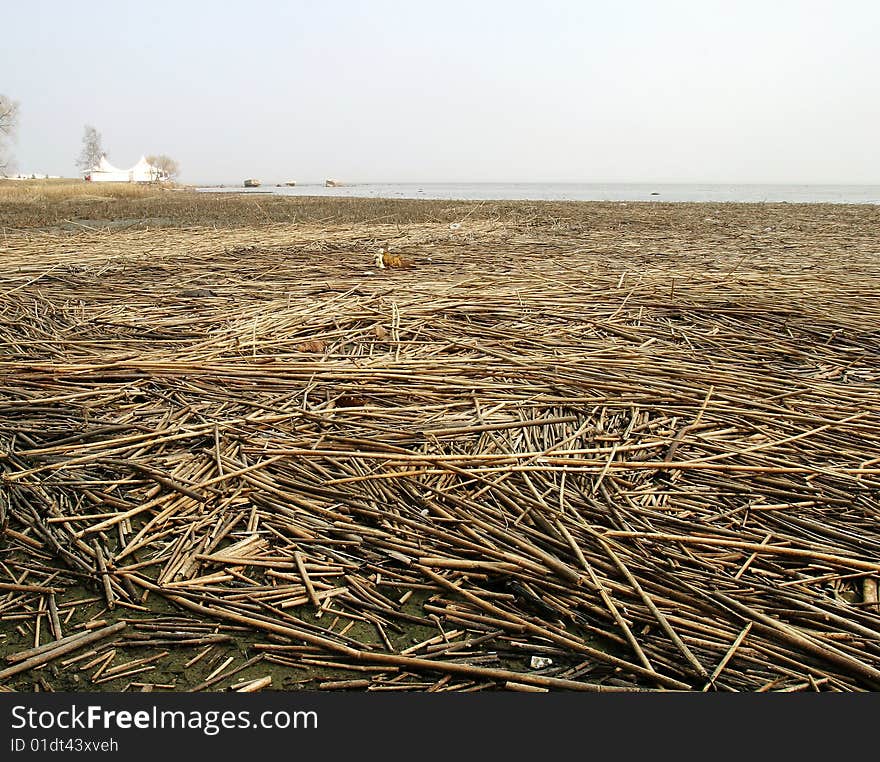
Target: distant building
{"x": 32, "y": 176}
{"x": 142, "y": 172}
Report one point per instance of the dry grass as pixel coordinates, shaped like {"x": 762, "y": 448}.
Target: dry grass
{"x": 66, "y": 190}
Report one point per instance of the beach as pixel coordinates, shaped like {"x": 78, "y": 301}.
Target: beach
{"x": 590, "y": 446}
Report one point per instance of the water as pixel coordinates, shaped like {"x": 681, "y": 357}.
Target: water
{"x": 678, "y": 192}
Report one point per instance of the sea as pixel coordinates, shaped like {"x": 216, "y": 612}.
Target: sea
{"x": 622, "y": 192}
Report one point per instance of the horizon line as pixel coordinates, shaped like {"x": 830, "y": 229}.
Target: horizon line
{"x": 345, "y": 183}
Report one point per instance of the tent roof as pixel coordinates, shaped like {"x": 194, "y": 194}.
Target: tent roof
{"x": 142, "y": 164}
{"x": 106, "y": 166}
{"x": 141, "y": 171}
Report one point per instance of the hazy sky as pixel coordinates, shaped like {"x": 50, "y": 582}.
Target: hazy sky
{"x": 733, "y": 91}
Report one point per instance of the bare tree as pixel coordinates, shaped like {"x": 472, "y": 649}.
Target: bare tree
{"x": 168, "y": 168}
{"x": 8, "y": 125}
{"x": 92, "y": 149}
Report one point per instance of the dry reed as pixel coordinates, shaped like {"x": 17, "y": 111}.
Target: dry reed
{"x": 640, "y": 445}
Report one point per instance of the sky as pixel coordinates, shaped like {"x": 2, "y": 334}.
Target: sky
{"x": 776, "y": 91}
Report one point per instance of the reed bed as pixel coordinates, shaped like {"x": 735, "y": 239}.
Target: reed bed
{"x": 72, "y": 205}
{"x": 576, "y": 455}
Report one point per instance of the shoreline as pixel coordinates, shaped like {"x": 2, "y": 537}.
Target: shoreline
{"x": 57, "y": 206}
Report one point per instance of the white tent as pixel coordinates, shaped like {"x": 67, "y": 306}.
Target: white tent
{"x": 107, "y": 173}
{"x": 142, "y": 172}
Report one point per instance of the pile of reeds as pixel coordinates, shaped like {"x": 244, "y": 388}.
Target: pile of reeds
{"x": 556, "y": 460}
